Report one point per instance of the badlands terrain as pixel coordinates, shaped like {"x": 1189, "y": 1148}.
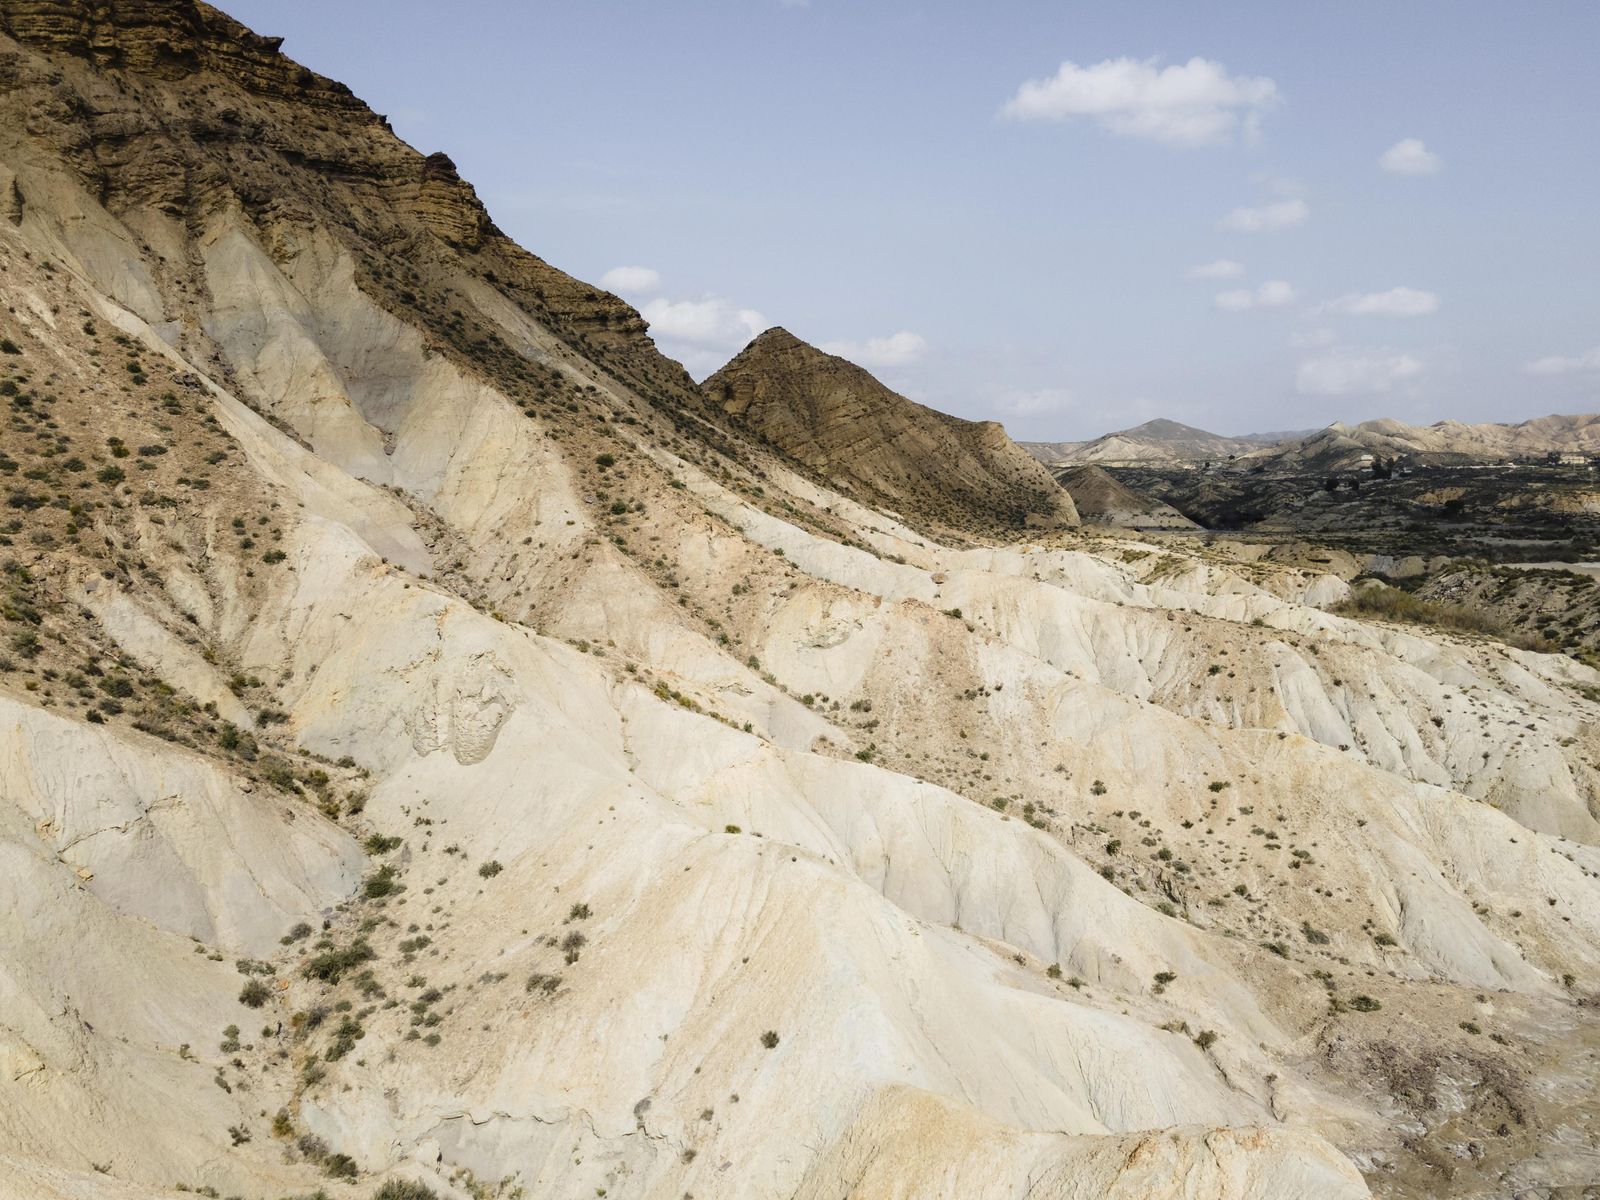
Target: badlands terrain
{"x": 448, "y": 753}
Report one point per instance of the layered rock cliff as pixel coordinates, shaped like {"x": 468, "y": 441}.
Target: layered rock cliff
{"x": 886, "y": 450}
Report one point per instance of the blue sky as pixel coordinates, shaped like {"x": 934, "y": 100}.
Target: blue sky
{"x": 999, "y": 208}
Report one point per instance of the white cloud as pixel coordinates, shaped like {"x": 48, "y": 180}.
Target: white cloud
{"x": 1282, "y": 214}
{"x": 709, "y": 321}
{"x": 1355, "y": 372}
{"x": 1034, "y": 403}
{"x": 1555, "y": 364}
{"x": 1410, "y": 157}
{"x": 1223, "y": 268}
{"x": 896, "y": 350}
{"x": 1396, "y": 302}
{"x": 1278, "y": 185}
{"x": 1195, "y": 104}
{"x": 1275, "y": 293}
{"x": 631, "y": 281}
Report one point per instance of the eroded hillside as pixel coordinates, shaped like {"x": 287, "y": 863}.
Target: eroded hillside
{"x": 439, "y": 746}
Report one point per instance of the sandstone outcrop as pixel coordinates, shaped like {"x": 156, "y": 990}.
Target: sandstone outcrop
{"x": 881, "y": 448}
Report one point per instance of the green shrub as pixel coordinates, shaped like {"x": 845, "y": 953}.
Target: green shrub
{"x": 331, "y": 965}
{"x": 404, "y": 1189}
{"x": 339, "y": 1166}
{"x": 255, "y": 994}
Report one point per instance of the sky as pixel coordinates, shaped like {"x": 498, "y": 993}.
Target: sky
{"x": 1069, "y": 217}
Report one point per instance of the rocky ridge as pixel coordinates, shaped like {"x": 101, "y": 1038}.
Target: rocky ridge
{"x": 1102, "y": 500}
{"x": 881, "y": 448}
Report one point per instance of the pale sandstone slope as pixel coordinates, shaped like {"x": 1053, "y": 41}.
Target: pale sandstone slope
{"x": 682, "y": 747}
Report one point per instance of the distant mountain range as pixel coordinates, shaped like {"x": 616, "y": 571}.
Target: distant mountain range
{"x": 1337, "y": 447}
{"x": 1153, "y": 442}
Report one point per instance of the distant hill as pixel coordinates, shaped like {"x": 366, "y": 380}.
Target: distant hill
{"x": 1153, "y": 442}
{"x": 1341, "y": 446}
{"x": 837, "y": 419}
{"x": 1103, "y": 500}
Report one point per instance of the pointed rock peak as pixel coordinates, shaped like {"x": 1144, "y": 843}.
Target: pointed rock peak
{"x": 871, "y": 442}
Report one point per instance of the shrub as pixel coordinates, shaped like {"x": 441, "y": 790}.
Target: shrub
{"x": 1365, "y": 1004}
{"x": 331, "y": 965}
{"x": 339, "y": 1166}
{"x": 769, "y": 1039}
{"x": 490, "y": 869}
{"x": 572, "y": 944}
{"x": 380, "y": 883}
{"x": 345, "y": 1038}
{"x": 1394, "y": 604}
{"x": 404, "y": 1189}
{"x": 255, "y": 994}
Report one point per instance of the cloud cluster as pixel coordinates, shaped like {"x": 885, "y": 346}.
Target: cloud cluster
{"x": 1196, "y": 103}
{"x": 1396, "y": 302}
{"x": 1266, "y": 218}
{"x": 708, "y": 321}
{"x": 1355, "y": 373}
{"x": 1555, "y": 364}
{"x": 631, "y": 281}
{"x": 896, "y": 350}
{"x": 701, "y": 332}
{"x": 1410, "y": 157}
{"x": 1274, "y": 293}
{"x": 1223, "y": 268}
